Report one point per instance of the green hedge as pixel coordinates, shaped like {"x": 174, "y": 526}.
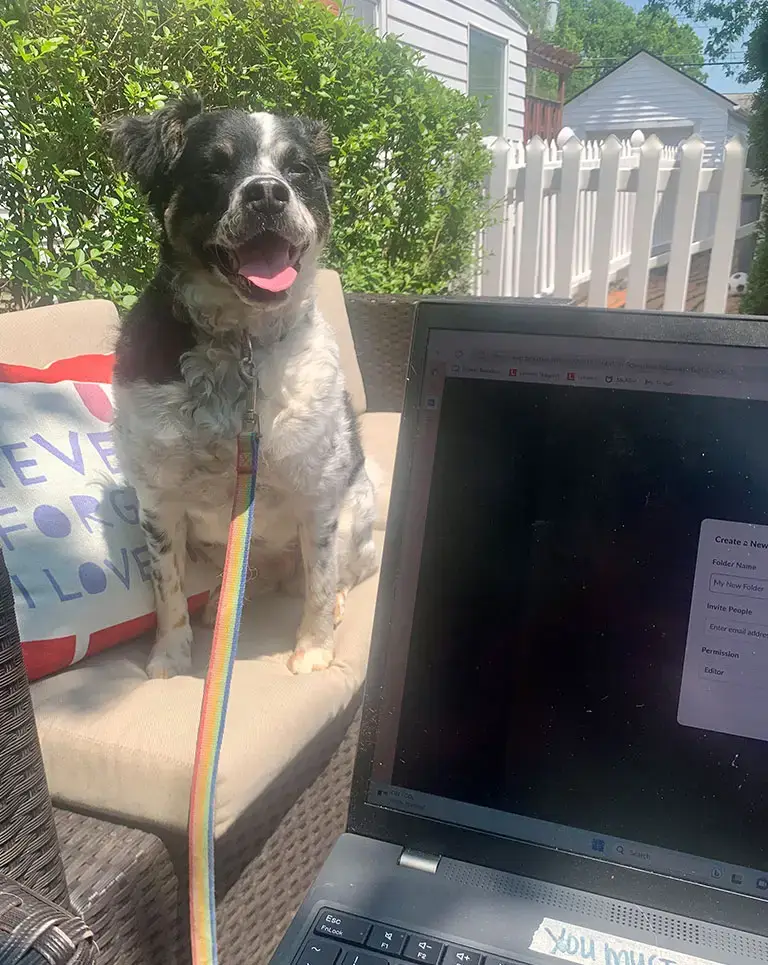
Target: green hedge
{"x": 755, "y": 301}
{"x": 409, "y": 160}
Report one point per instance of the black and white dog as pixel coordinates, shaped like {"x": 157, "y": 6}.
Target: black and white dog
{"x": 243, "y": 201}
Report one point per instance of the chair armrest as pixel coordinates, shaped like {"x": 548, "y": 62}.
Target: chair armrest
{"x": 123, "y": 882}
{"x": 29, "y": 850}
{"x": 35, "y": 931}
{"x": 382, "y": 326}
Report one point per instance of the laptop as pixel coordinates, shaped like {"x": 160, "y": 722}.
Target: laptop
{"x": 564, "y": 745}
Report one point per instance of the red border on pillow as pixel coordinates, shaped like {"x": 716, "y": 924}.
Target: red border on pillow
{"x": 79, "y": 368}
{"x": 44, "y": 657}
{"x": 122, "y": 632}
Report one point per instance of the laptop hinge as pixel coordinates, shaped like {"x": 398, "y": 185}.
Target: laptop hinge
{"x": 419, "y": 861}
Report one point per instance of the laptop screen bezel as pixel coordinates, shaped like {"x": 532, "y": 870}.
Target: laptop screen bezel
{"x": 478, "y": 847}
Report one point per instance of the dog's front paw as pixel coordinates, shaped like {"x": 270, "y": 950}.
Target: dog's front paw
{"x": 171, "y": 655}
{"x": 309, "y": 659}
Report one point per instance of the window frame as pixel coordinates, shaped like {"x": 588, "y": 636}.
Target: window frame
{"x": 503, "y": 42}
{"x": 352, "y": 7}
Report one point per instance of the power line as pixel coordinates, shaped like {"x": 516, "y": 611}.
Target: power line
{"x": 705, "y": 63}
{"x": 670, "y": 61}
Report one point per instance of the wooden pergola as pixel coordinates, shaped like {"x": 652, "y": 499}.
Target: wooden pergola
{"x": 542, "y": 115}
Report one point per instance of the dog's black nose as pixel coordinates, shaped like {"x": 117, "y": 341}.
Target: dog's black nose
{"x": 266, "y": 194}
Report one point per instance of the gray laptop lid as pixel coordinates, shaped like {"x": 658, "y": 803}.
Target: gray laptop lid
{"x": 569, "y": 674}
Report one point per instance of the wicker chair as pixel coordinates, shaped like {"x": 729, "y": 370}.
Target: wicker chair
{"x": 35, "y": 926}
{"x": 127, "y": 887}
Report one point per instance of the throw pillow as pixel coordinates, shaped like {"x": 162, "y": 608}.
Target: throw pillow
{"x": 69, "y": 523}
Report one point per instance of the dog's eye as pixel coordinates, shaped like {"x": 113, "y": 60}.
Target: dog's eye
{"x": 299, "y": 168}
{"x": 219, "y": 160}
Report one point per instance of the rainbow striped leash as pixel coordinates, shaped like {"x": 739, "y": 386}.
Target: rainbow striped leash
{"x": 202, "y": 898}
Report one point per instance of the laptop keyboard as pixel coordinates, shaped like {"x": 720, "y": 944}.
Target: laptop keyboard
{"x": 342, "y": 939}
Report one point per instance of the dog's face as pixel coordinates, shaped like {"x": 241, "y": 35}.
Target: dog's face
{"x": 243, "y": 197}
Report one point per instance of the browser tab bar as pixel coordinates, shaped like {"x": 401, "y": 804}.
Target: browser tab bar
{"x": 613, "y": 364}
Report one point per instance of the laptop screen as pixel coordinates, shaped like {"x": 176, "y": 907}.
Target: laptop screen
{"x": 578, "y": 651}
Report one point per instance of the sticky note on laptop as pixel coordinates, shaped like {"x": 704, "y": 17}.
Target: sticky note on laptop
{"x": 572, "y": 943}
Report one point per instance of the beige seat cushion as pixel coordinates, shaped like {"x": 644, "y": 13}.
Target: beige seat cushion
{"x": 42, "y": 335}
{"x": 119, "y": 744}
{"x": 379, "y": 432}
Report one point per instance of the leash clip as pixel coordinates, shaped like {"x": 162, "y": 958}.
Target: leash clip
{"x": 248, "y": 372}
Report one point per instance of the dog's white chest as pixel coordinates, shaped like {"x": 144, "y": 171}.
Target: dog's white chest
{"x": 180, "y": 439}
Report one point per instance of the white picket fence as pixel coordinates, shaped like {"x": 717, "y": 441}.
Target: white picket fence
{"x": 574, "y": 216}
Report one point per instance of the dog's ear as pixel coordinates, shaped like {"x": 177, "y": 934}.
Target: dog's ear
{"x": 148, "y": 147}
{"x": 320, "y": 140}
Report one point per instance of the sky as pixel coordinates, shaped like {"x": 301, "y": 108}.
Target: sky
{"x": 716, "y": 76}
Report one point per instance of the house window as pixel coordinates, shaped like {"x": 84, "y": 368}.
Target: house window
{"x": 487, "y": 77}
{"x": 365, "y": 10}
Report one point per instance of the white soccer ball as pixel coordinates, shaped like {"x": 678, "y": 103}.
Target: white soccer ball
{"x": 737, "y": 283}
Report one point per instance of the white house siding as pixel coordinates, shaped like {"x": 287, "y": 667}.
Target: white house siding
{"x": 647, "y": 95}
{"x": 738, "y": 125}
{"x": 439, "y": 29}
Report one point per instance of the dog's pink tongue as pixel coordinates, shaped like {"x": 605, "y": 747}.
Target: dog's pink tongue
{"x": 273, "y": 272}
